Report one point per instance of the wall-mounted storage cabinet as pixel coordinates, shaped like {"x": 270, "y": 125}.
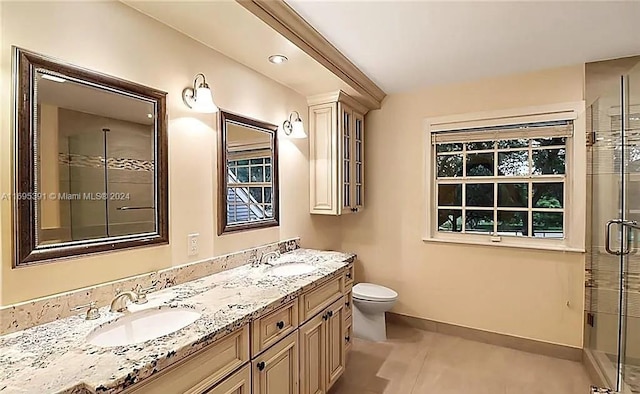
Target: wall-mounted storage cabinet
{"x": 336, "y": 143}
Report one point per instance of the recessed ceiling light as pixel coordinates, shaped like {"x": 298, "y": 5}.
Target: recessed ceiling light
{"x": 278, "y": 59}
{"x": 149, "y": 116}
{"x": 53, "y": 78}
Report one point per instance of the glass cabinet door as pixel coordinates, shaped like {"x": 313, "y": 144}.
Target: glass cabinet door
{"x": 346, "y": 136}
{"x": 358, "y": 160}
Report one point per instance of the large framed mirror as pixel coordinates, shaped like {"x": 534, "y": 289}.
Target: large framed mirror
{"x": 90, "y": 162}
{"x": 247, "y": 174}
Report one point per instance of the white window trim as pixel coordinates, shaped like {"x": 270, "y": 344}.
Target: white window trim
{"x": 575, "y": 182}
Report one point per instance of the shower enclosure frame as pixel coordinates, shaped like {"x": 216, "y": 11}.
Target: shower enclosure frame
{"x": 610, "y": 265}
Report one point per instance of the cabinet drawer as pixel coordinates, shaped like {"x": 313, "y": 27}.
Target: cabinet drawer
{"x": 349, "y": 276}
{"x": 348, "y": 304}
{"x": 270, "y": 328}
{"x": 238, "y": 383}
{"x": 202, "y": 370}
{"x": 348, "y": 333}
{"x": 316, "y": 300}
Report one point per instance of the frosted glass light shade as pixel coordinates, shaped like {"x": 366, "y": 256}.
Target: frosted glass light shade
{"x": 294, "y": 128}
{"x": 203, "y": 101}
{"x": 297, "y": 129}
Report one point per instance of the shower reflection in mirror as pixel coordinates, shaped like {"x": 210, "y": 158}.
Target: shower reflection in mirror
{"x": 96, "y": 158}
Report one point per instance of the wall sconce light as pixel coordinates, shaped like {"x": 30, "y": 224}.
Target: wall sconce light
{"x": 199, "y": 97}
{"x": 294, "y": 128}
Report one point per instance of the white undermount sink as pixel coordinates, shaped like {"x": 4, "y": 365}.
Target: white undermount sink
{"x": 291, "y": 269}
{"x": 142, "y": 326}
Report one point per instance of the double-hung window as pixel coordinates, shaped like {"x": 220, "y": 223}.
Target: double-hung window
{"x": 504, "y": 180}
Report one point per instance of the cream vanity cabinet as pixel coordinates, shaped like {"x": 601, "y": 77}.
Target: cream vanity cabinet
{"x": 336, "y": 149}
{"x": 323, "y": 337}
{"x": 206, "y": 370}
{"x": 298, "y": 347}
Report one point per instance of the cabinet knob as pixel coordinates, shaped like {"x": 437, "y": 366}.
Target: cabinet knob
{"x": 330, "y": 313}
{"x": 347, "y": 338}
{"x": 260, "y": 365}
{"x": 354, "y": 209}
{"x": 348, "y": 275}
{"x": 346, "y": 304}
{"x": 280, "y": 325}
{"x": 325, "y": 316}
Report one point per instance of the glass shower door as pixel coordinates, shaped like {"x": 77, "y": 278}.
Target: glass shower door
{"x": 603, "y": 268}
{"x": 629, "y": 349}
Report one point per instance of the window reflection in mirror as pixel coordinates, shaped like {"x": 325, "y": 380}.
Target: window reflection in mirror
{"x": 249, "y": 163}
{"x": 95, "y": 161}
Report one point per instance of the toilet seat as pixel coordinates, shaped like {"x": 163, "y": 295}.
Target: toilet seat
{"x": 373, "y": 292}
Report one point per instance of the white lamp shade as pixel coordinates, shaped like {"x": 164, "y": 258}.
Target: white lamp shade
{"x": 297, "y": 129}
{"x": 203, "y": 101}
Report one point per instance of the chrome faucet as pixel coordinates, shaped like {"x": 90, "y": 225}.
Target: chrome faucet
{"x": 268, "y": 257}
{"x": 119, "y": 302}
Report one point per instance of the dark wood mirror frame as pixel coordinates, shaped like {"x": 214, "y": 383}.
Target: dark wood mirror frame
{"x": 26, "y": 251}
{"x": 223, "y": 226}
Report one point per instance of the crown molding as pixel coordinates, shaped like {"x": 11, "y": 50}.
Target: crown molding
{"x": 337, "y": 96}
{"x": 282, "y": 18}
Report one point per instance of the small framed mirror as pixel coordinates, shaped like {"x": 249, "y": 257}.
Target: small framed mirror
{"x": 90, "y": 162}
{"x": 247, "y": 174}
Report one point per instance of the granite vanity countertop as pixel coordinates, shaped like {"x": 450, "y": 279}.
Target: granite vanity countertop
{"x": 56, "y": 358}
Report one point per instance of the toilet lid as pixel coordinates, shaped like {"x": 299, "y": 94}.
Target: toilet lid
{"x": 372, "y": 292}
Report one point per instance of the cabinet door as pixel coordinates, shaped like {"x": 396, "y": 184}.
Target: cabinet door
{"x": 238, "y": 383}
{"x": 313, "y": 356}
{"x": 276, "y": 371}
{"x": 335, "y": 342}
{"x": 345, "y": 151}
{"x": 325, "y": 159}
{"x": 357, "y": 155}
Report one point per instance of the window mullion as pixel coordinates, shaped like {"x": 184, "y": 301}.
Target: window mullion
{"x": 464, "y": 188}
{"x": 495, "y": 208}
{"x": 495, "y": 187}
{"x": 530, "y": 211}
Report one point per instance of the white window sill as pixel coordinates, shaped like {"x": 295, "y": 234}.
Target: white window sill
{"x": 534, "y": 244}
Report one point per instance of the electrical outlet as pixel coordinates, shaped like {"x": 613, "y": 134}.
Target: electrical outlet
{"x": 192, "y": 244}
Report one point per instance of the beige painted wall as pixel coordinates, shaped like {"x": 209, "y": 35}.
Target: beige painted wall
{"x": 512, "y": 291}
{"x": 140, "y": 49}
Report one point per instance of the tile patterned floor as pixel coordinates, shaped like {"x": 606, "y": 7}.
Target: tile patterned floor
{"x": 421, "y": 362}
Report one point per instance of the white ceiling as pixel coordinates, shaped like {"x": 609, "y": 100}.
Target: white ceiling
{"x": 229, "y": 28}
{"x": 83, "y": 98}
{"x": 404, "y": 45}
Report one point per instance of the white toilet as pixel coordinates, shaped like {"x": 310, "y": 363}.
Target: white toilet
{"x": 370, "y": 302}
